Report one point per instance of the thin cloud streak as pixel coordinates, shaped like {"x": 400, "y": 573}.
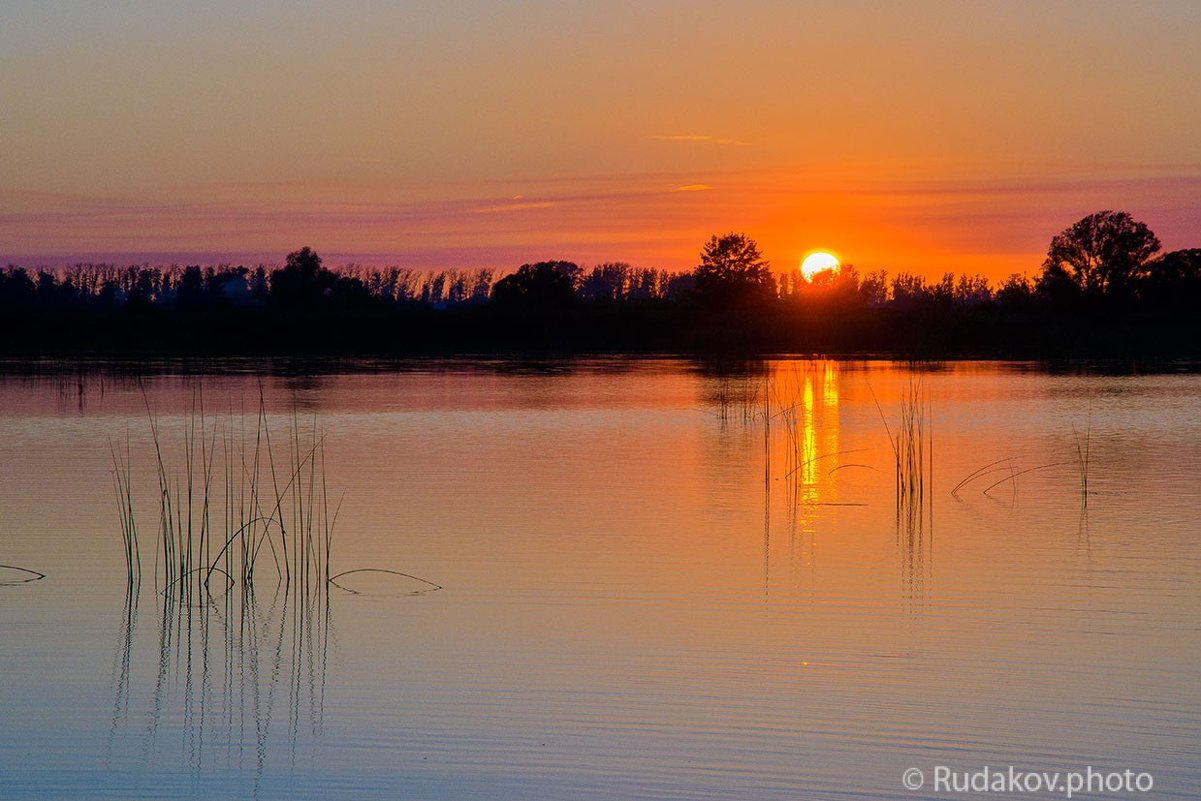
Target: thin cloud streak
{"x": 699, "y": 139}
{"x": 516, "y": 204}
{"x": 927, "y": 226}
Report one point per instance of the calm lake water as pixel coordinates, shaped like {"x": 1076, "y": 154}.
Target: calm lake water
{"x": 647, "y": 591}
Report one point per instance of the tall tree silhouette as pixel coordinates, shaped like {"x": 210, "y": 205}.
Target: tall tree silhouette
{"x": 302, "y": 282}
{"x": 1104, "y": 253}
{"x": 732, "y": 266}
{"x": 544, "y": 285}
{"x": 1174, "y": 280}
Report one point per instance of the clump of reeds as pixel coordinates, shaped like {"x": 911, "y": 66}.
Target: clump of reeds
{"x": 269, "y": 508}
{"x": 912, "y": 447}
{"x": 242, "y": 502}
{"x": 913, "y": 466}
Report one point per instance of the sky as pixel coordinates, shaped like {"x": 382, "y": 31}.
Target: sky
{"x": 920, "y": 136}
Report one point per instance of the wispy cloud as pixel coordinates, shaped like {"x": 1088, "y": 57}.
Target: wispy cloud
{"x": 926, "y": 224}
{"x": 515, "y": 203}
{"x": 698, "y": 139}
{"x": 366, "y": 160}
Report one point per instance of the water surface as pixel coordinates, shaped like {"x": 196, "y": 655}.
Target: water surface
{"x": 659, "y": 579}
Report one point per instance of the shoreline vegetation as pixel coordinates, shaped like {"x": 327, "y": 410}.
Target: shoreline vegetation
{"x": 1105, "y": 290}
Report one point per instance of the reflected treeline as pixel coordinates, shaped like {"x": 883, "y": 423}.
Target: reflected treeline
{"x": 86, "y": 387}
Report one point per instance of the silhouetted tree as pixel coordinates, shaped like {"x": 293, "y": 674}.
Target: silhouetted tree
{"x": 909, "y": 290}
{"x": 302, "y": 281}
{"x": 17, "y": 289}
{"x": 972, "y": 290}
{"x": 1016, "y": 292}
{"x": 231, "y": 284}
{"x": 1058, "y": 288}
{"x": 545, "y": 284}
{"x": 1108, "y": 255}
{"x": 258, "y": 284}
{"x": 874, "y": 289}
{"x": 189, "y": 293}
{"x": 731, "y": 267}
{"x": 943, "y": 292}
{"x": 841, "y": 285}
{"x": 1105, "y": 252}
{"x": 607, "y": 282}
{"x": 1174, "y": 279}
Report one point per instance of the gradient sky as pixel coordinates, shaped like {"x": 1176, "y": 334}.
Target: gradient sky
{"x": 921, "y": 136}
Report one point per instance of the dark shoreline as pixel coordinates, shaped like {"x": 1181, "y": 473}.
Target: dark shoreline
{"x": 486, "y": 332}
{"x": 1118, "y": 302}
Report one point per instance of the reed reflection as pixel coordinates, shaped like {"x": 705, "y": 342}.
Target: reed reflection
{"x": 806, "y": 402}
{"x": 239, "y": 567}
{"x": 233, "y": 517}
{"x": 807, "y": 397}
{"x": 791, "y": 409}
{"x": 915, "y": 543}
{"x": 235, "y": 677}
{"x": 912, "y": 439}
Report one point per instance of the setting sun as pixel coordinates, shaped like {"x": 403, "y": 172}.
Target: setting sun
{"x": 818, "y": 261}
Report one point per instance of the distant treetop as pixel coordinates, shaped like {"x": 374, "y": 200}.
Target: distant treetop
{"x": 1104, "y": 253}
{"x": 732, "y": 265}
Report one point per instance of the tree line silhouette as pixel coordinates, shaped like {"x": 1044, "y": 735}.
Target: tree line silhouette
{"x": 1105, "y": 287}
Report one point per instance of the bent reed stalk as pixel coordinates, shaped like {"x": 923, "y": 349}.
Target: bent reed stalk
{"x": 230, "y": 504}
{"x": 1008, "y": 465}
{"x": 122, "y": 485}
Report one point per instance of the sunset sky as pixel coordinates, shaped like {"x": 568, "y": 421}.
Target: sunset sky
{"x": 920, "y": 136}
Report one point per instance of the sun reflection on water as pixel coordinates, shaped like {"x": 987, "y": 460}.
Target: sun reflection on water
{"x": 806, "y": 394}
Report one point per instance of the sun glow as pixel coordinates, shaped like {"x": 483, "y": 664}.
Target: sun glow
{"x": 818, "y": 261}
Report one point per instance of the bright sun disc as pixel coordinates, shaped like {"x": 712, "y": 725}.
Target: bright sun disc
{"x": 818, "y": 261}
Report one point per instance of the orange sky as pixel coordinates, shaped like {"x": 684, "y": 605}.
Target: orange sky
{"x": 926, "y": 136}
